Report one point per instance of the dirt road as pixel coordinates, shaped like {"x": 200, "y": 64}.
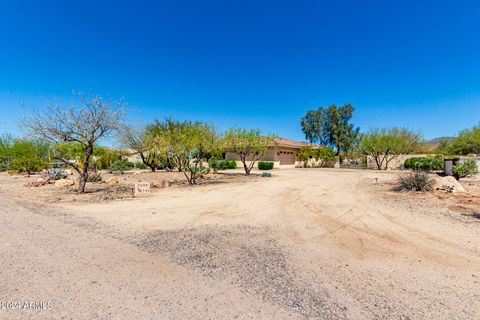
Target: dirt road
{"x": 79, "y": 273}
{"x": 303, "y": 244}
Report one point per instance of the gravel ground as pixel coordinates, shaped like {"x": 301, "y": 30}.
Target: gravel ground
{"x": 254, "y": 259}
{"x": 76, "y": 268}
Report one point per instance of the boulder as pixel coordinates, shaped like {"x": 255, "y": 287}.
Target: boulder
{"x": 64, "y": 183}
{"x": 111, "y": 181}
{"x": 157, "y": 184}
{"x": 449, "y": 184}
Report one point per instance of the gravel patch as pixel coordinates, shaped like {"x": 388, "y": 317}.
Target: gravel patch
{"x": 249, "y": 256}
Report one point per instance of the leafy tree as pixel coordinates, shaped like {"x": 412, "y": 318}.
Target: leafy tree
{"x": 23, "y": 155}
{"x": 331, "y": 127}
{"x": 306, "y": 153}
{"x": 321, "y": 154}
{"x": 250, "y": 145}
{"x": 105, "y": 157}
{"x": 467, "y": 142}
{"x": 6, "y": 142}
{"x": 384, "y": 145}
{"x": 188, "y": 145}
{"x": 313, "y": 126}
{"x": 147, "y": 142}
{"x": 341, "y": 134}
{"x": 84, "y": 124}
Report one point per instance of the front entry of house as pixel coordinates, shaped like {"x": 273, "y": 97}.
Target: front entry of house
{"x": 286, "y": 157}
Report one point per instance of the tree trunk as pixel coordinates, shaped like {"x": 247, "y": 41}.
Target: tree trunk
{"x": 84, "y": 175}
{"x": 247, "y": 169}
{"x": 82, "y": 184}
{"x": 377, "y": 161}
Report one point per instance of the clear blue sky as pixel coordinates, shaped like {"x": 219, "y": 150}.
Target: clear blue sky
{"x": 249, "y": 63}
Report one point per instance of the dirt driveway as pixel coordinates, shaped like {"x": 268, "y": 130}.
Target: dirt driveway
{"x": 326, "y": 244}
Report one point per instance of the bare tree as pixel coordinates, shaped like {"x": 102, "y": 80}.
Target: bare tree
{"x": 83, "y": 123}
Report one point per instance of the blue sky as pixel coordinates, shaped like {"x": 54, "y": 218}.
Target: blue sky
{"x": 249, "y": 63}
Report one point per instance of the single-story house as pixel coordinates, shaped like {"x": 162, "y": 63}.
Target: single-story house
{"x": 282, "y": 152}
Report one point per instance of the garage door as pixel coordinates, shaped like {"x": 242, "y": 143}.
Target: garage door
{"x": 286, "y": 157}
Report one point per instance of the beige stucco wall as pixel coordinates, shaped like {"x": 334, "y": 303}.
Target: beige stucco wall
{"x": 270, "y": 155}
{"x": 395, "y": 164}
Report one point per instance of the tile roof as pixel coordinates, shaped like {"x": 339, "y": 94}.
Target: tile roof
{"x": 284, "y": 142}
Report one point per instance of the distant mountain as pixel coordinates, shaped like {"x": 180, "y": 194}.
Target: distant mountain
{"x": 436, "y": 141}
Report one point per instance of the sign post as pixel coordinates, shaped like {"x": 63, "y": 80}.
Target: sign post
{"x": 141, "y": 189}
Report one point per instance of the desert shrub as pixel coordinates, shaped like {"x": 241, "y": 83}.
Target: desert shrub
{"x": 94, "y": 177}
{"x": 121, "y": 166}
{"x": 415, "y": 181}
{"x": 231, "y": 164}
{"x": 266, "y": 174}
{"x": 465, "y": 169}
{"x": 219, "y": 164}
{"x": 27, "y": 164}
{"x": 213, "y": 164}
{"x": 140, "y": 165}
{"x": 424, "y": 163}
{"x": 265, "y": 165}
{"x": 3, "y": 166}
{"x": 200, "y": 171}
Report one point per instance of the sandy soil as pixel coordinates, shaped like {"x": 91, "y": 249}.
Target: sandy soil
{"x": 306, "y": 243}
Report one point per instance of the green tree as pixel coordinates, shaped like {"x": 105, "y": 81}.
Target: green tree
{"x": 6, "y": 142}
{"x": 147, "y": 142}
{"x": 306, "y": 153}
{"x": 24, "y": 155}
{"x": 467, "y": 142}
{"x": 341, "y": 134}
{"x": 384, "y": 145}
{"x": 331, "y": 127}
{"x": 322, "y": 155}
{"x": 188, "y": 145}
{"x": 313, "y": 124}
{"x": 249, "y": 145}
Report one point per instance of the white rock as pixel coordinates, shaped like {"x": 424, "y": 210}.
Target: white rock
{"x": 448, "y": 183}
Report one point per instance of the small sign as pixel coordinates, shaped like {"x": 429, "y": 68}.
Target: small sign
{"x": 142, "y": 189}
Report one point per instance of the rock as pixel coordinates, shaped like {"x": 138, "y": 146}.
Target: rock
{"x": 160, "y": 184}
{"x": 111, "y": 181}
{"x": 449, "y": 184}
{"x": 68, "y": 172}
{"x": 41, "y": 180}
{"x": 64, "y": 183}
{"x": 34, "y": 184}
